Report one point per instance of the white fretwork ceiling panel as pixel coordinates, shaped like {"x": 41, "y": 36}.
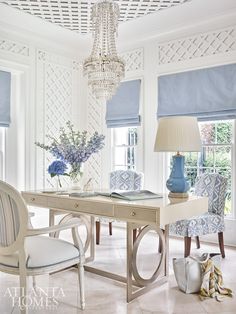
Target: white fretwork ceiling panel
{"x": 133, "y": 60}
{"x": 94, "y": 124}
{"x": 200, "y": 45}
{"x": 75, "y": 15}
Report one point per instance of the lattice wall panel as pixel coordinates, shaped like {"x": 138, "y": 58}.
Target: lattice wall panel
{"x": 133, "y": 60}
{"x": 14, "y": 47}
{"x": 58, "y": 99}
{"x": 94, "y": 122}
{"x": 75, "y": 15}
{"x": 55, "y": 75}
{"x": 58, "y": 102}
{"x": 197, "y": 46}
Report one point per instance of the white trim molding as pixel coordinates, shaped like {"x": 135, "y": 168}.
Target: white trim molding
{"x": 14, "y": 47}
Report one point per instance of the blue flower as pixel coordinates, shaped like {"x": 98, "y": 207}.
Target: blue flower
{"x": 57, "y": 168}
{"x": 72, "y": 148}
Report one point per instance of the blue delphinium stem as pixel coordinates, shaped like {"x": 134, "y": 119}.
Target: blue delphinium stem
{"x": 73, "y": 147}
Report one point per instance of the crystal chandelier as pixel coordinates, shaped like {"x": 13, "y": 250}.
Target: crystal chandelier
{"x": 103, "y": 67}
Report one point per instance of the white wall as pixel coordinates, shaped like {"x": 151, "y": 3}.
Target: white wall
{"x": 46, "y": 87}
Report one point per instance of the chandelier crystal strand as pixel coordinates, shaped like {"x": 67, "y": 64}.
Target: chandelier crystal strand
{"x": 103, "y": 67}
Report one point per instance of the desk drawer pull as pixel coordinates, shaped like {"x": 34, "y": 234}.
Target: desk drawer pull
{"x": 32, "y": 199}
{"x": 133, "y": 213}
{"x": 76, "y": 205}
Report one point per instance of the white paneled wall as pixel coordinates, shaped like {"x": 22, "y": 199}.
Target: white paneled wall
{"x": 55, "y": 101}
{"x": 95, "y": 111}
{"x": 47, "y": 96}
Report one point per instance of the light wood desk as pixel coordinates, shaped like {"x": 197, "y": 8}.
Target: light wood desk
{"x": 153, "y": 214}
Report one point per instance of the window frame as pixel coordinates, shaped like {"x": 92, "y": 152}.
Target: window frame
{"x": 139, "y": 150}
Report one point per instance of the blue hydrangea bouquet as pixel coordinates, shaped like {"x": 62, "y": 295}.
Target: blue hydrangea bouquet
{"x": 72, "y": 148}
{"x": 58, "y": 168}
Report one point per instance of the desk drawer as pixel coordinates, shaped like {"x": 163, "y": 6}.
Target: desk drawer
{"x": 37, "y": 200}
{"x": 135, "y": 213}
{"x": 82, "y": 206}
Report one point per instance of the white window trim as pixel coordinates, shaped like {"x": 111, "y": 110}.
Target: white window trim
{"x": 139, "y": 149}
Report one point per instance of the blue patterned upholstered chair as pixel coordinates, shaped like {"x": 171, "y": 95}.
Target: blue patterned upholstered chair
{"x": 214, "y": 187}
{"x": 121, "y": 180}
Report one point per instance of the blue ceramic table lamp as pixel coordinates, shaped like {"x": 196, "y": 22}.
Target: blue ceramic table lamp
{"x": 178, "y": 134}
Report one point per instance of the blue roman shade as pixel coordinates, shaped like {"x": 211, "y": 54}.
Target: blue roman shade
{"x": 209, "y": 94}
{"x": 123, "y": 108}
{"x": 5, "y": 98}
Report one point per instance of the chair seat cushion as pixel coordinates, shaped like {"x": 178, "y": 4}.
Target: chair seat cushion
{"x": 199, "y": 225}
{"x": 43, "y": 251}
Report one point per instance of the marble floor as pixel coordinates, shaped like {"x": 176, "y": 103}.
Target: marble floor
{"x": 105, "y": 296}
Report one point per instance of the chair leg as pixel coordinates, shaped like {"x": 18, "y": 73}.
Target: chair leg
{"x": 98, "y": 227}
{"x": 81, "y": 285}
{"x": 23, "y": 294}
{"x": 221, "y": 244}
{"x": 110, "y": 228}
{"x": 197, "y": 242}
{"x": 51, "y": 221}
{"x": 34, "y": 282}
{"x": 187, "y": 246}
{"x": 134, "y": 235}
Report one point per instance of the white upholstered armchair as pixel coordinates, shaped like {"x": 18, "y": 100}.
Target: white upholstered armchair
{"x": 25, "y": 252}
{"x": 121, "y": 180}
{"x": 214, "y": 186}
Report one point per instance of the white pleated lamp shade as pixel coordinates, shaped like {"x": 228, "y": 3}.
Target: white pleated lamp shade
{"x": 178, "y": 134}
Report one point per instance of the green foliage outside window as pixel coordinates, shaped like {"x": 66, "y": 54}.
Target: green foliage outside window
{"x": 215, "y": 155}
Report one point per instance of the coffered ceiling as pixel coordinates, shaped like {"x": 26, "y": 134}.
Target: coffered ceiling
{"x": 75, "y": 15}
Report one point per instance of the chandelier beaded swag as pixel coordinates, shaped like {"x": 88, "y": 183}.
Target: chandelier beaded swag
{"x": 103, "y": 67}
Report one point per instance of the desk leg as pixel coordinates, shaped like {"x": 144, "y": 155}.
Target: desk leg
{"x": 159, "y": 276}
{"x": 129, "y": 249}
{"x": 91, "y": 257}
{"x": 166, "y": 233}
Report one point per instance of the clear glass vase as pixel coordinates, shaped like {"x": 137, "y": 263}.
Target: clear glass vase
{"x": 58, "y": 184}
{"x": 76, "y": 182}
{"x": 76, "y": 177}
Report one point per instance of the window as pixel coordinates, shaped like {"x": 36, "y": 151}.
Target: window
{"x": 216, "y": 156}
{"x": 124, "y": 148}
